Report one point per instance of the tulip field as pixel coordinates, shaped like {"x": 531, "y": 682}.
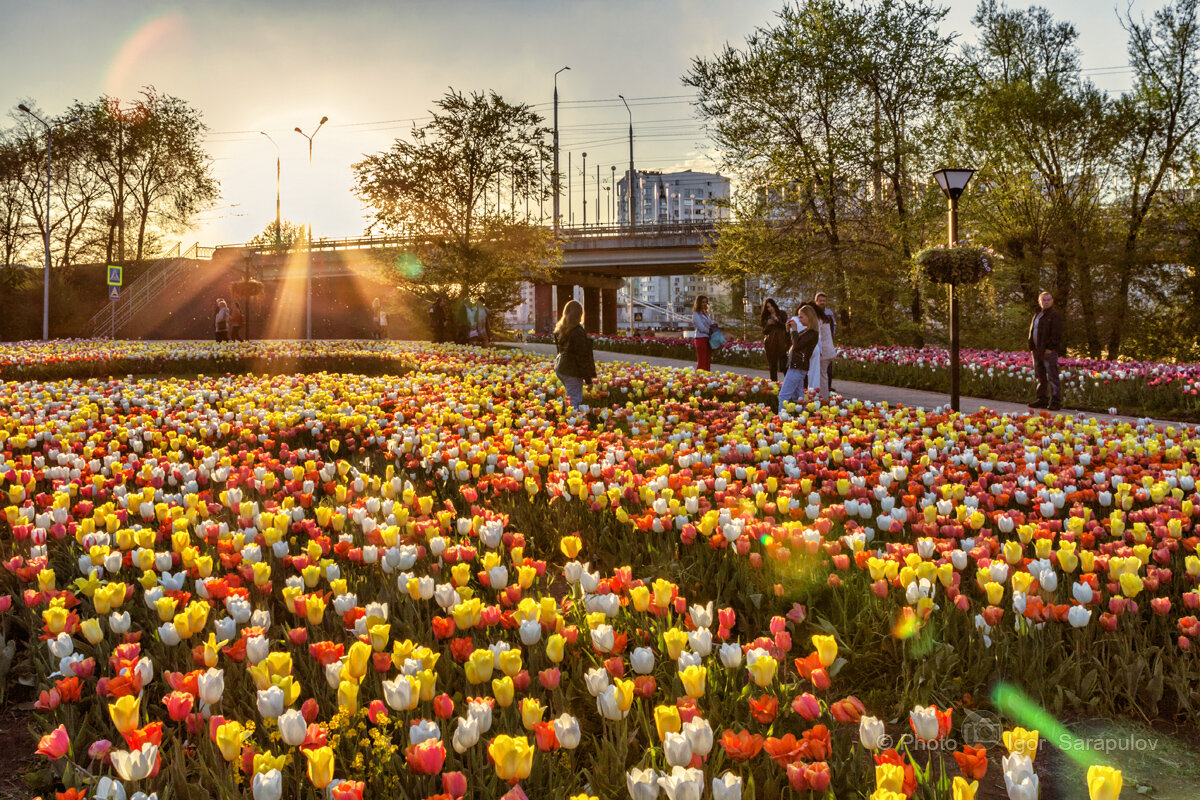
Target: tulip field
{"x": 381, "y": 570}
{"x": 1131, "y": 388}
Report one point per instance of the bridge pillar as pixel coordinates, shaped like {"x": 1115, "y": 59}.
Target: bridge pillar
{"x": 608, "y": 312}
{"x": 566, "y": 293}
{"x": 543, "y": 308}
{"x": 591, "y": 309}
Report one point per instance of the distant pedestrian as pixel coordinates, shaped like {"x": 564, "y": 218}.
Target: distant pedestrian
{"x": 574, "y": 365}
{"x": 222, "y": 322}
{"x": 237, "y": 322}
{"x": 376, "y": 310}
{"x": 437, "y": 319}
{"x": 1045, "y": 341}
{"x": 828, "y": 316}
{"x": 704, "y": 327}
{"x": 462, "y": 320}
{"x": 775, "y": 338}
{"x": 803, "y": 357}
{"x": 479, "y": 323}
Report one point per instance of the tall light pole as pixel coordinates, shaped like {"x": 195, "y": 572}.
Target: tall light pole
{"x": 585, "y": 190}
{"x": 952, "y": 183}
{"x": 46, "y": 238}
{"x": 632, "y": 206}
{"x": 612, "y": 208}
{"x": 308, "y": 243}
{"x": 278, "y": 219}
{"x": 557, "y": 198}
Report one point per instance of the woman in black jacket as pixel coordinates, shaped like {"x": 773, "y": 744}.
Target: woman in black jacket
{"x": 802, "y": 364}
{"x": 775, "y": 337}
{"x": 574, "y": 364}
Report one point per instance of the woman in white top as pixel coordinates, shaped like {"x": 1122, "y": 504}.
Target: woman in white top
{"x": 827, "y": 352}
{"x": 704, "y": 326}
{"x": 222, "y": 322}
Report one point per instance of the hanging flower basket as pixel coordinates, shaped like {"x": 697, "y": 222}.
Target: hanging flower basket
{"x": 962, "y": 265}
{"x": 246, "y": 289}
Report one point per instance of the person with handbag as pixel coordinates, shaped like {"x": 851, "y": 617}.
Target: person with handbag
{"x": 574, "y": 365}
{"x": 803, "y": 360}
{"x": 706, "y": 331}
{"x": 775, "y": 338}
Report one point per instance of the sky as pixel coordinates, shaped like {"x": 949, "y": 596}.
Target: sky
{"x": 376, "y": 67}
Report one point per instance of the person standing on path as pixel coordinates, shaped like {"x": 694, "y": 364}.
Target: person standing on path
{"x": 826, "y": 315}
{"x": 222, "y": 321}
{"x": 775, "y": 338}
{"x": 1045, "y": 341}
{"x": 704, "y": 325}
{"x": 803, "y": 358}
{"x": 574, "y": 365}
{"x": 236, "y": 322}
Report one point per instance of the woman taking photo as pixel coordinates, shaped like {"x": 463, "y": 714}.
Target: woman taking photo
{"x": 803, "y": 361}
{"x": 704, "y": 326}
{"x": 574, "y": 364}
{"x": 775, "y": 338}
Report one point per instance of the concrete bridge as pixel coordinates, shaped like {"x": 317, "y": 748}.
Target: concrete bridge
{"x": 597, "y": 258}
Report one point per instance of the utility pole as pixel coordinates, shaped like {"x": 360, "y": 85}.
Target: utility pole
{"x": 308, "y": 243}
{"x": 585, "y": 190}
{"x": 555, "y": 175}
{"x": 632, "y": 174}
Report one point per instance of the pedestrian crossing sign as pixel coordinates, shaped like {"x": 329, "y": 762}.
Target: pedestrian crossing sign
{"x": 114, "y": 276}
{"x": 114, "y": 293}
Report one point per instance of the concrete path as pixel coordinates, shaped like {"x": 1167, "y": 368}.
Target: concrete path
{"x": 876, "y": 393}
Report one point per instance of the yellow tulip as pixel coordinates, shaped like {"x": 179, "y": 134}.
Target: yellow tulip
{"x": 358, "y": 659}
{"x": 229, "y": 740}
{"x": 347, "y": 697}
{"x": 320, "y": 766}
{"x": 1019, "y": 740}
{"x": 555, "y": 647}
{"x": 509, "y": 662}
{"x": 265, "y": 762}
{"x": 570, "y": 546}
{"x": 675, "y": 641}
{"x": 666, "y": 720}
{"x": 531, "y": 712}
{"x": 889, "y": 777}
{"x": 503, "y": 690}
{"x": 639, "y": 596}
{"x": 92, "y": 631}
{"x": 694, "y": 679}
{"x": 1104, "y": 783}
{"x": 513, "y": 757}
{"x": 962, "y": 790}
{"x": 125, "y": 713}
{"x": 479, "y": 666}
{"x": 827, "y": 649}
{"x": 762, "y": 669}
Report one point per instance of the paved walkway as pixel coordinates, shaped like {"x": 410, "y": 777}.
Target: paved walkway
{"x": 876, "y": 393}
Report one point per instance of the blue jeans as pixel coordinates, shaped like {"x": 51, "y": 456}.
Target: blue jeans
{"x": 793, "y": 386}
{"x": 574, "y": 387}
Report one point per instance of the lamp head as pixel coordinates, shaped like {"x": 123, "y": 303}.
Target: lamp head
{"x": 953, "y": 182}
{"x": 324, "y": 120}
{"x": 25, "y": 108}
{"x": 299, "y": 131}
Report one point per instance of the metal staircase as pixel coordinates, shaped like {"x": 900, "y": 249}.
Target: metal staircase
{"x": 108, "y": 322}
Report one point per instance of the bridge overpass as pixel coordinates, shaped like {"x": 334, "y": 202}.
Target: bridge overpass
{"x": 595, "y": 258}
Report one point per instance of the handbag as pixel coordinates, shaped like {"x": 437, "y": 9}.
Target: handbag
{"x": 716, "y": 339}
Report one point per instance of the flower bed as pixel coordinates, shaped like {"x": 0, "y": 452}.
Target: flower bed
{"x": 448, "y": 584}
{"x": 1132, "y": 388}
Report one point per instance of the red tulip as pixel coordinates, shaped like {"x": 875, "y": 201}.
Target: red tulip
{"x": 427, "y": 757}
{"x": 55, "y": 744}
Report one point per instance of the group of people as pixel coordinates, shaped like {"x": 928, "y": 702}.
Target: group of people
{"x": 230, "y": 322}
{"x": 799, "y": 347}
{"x": 463, "y": 322}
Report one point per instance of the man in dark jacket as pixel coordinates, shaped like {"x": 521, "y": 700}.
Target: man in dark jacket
{"x": 1045, "y": 341}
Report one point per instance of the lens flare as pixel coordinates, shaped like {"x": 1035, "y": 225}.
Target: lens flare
{"x": 125, "y": 74}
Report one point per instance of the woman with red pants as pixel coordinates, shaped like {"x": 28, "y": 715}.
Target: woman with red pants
{"x": 704, "y": 326}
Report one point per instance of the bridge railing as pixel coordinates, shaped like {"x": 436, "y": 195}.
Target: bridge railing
{"x": 577, "y": 232}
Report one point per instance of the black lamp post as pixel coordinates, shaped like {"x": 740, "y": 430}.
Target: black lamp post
{"x": 632, "y": 174}
{"x": 554, "y": 174}
{"x": 952, "y": 183}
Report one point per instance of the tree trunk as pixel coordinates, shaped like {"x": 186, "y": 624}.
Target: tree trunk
{"x": 1087, "y": 307}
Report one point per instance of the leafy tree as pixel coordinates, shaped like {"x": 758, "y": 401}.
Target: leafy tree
{"x": 1163, "y": 114}
{"x": 1046, "y": 139}
{"x": 289, "y": 236}
{"x": 442, "y": 187}
{"x": 832, "y": 195}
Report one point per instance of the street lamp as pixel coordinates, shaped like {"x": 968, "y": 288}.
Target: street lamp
{"x": 952, "y": 183}
{"x": 585, "y": 191}
{"x": 632, "y": 218}
{"x": 308, "y": 244}
{"x": 46, "y": 238}
{"x": 557, "y": 199}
